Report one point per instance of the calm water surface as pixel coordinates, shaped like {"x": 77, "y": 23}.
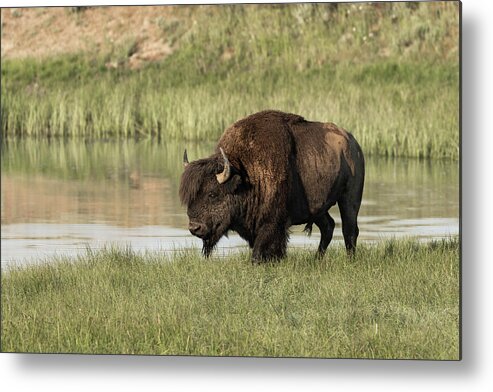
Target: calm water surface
{"x": 62, "y": 197}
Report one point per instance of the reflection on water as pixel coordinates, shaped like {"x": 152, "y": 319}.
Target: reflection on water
{"x": 63, "y": 196}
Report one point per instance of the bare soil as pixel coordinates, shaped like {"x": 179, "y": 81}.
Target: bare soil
{"x": 47, "y": 31}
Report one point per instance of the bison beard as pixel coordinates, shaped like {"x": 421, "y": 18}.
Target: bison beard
{"x": 272, "y": 170}
{"x": 209, "y": 243}
{"x": 208, "y": 246}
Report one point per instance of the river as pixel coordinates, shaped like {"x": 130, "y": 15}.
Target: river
{"x": 61, "y": 197}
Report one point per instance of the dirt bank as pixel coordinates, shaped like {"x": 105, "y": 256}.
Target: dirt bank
{"x": 47, "y": 31}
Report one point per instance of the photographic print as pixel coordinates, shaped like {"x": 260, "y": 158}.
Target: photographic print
{"x": 254, "y": 180}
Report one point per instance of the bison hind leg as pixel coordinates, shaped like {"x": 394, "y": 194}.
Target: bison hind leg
{"x": 326, "y": 225}
{"x": 349, "y": 216}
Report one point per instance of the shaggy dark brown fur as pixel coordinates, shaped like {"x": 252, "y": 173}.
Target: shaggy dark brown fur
{"x": 285, "y": 171}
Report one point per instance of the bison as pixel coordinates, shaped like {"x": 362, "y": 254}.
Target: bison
{"x": 272, "y": 170}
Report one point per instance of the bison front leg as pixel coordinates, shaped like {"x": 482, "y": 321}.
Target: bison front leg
{"x": 270, "y": 243}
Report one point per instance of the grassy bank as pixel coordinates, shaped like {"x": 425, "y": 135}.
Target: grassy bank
{"x": 398, "y": 299}
{"x": 389, "y": 73}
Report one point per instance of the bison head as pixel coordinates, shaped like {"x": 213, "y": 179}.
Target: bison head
{"x": 209, "y": 188}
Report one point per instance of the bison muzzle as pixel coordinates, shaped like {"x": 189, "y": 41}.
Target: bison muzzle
{"x": 272, "y": 170}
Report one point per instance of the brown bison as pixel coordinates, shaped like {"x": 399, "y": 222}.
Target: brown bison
{"x": 272, "y": 170}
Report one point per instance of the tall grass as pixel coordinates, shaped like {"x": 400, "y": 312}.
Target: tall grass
{"x": 398, "y": 299}
{"x": 387, "y": 72}
{"x": 397, "y": 118}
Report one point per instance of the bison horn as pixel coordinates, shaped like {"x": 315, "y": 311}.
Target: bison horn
{"x": 224, "y": 176}
{"x": 185, "y": 158}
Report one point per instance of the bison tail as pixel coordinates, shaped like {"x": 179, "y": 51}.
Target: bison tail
{"x": 308, "y": 229}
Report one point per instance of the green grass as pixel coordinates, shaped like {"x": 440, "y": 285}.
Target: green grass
{"x": 389, "y": 73}
{"x": 396, "y": 299}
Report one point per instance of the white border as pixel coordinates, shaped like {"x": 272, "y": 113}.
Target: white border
{"x": 87, "y": 373}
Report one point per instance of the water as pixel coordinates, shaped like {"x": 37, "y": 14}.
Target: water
{"x": 61, "y": 197}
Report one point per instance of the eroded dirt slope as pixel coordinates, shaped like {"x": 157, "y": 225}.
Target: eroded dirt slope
{"x": 47, "y": 31}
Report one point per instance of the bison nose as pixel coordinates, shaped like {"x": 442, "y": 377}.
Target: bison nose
{"x": 197, "y": 229}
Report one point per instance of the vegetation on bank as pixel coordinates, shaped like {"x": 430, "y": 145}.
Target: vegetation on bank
{"x": 387, "y": 72}
{"x": 395, "y": 299}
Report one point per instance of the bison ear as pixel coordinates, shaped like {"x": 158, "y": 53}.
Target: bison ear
{"x": 232, "y": 184}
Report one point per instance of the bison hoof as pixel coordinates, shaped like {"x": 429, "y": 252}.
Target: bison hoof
{"x": 258, "y": 261}
{"x": 264, "y": 260}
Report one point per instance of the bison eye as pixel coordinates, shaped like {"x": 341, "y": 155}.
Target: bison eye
{"x": 212, "y": 195}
